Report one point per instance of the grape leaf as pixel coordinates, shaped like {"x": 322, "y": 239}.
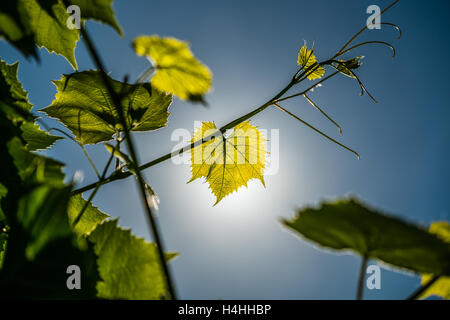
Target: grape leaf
{"x": 34, "y": 168}
{"x": 349, "y": 225}
{"x": 36, "y": 138}
{"x": 228, "y": 162}
{"x": 84, "y": 105}
{"x": 51, "y": 31}
{"x": 306, "y": 59}
{"x": 42, "y": 206}
{"x": 90, "y": 219}
{"x": 100, "y": 10}
{"x": 441, "y": 287}
{"x": 26, "y": 23}
{"x": 128, "y": 265}
{"x": 14, "y": 102}
{"x": 13, "y": 98}
{"x": 177, "y": 70}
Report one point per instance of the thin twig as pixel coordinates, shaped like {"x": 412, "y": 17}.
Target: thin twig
{"x": 78, "y": 143}
{"x": 316, "y": 130}
{"x": 363, "y": 29}
{"x": 141, "y": 184}
{"x": 323, "y": 112}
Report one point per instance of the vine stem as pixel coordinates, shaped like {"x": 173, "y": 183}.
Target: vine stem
{"x": 119, "y": 175}
{"x": 422, "y": 288}
{"x": 362, "y": 273}
{"x": 135, "y": 164}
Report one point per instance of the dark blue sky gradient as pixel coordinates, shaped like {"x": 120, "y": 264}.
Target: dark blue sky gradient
{"x": 238, "y": 248}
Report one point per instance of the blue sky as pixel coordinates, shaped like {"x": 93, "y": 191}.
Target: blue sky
{"x": 238, "y": 249}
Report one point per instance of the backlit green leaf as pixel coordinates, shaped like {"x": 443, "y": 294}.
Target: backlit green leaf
{"x": 35, "y": 168}
{"x": 441, "y": 287}
{"x": 13, "y": 98}
{"x": 52, "y": 32}
{"x": 349, "y": 225}
{"x": 306, "y": 59}
{"x": 91, "y": 217}
{"x": 228, "y": 162}
{"x": 36, "y": 138}
{"x": 83, "y": 104}
{"x": 177, "y": 70}
{"x": 129, "y": 266}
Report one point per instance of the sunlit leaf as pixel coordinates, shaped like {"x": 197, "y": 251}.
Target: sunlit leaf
{"x": 349, "y": 225}
{"x": 52, "y": 32}
{"x": 84, "y": 105}
{"x": 307, "y": 59}
{"x": 90, "y": 219}
{"x": 128, "y": 266}
{"x": 228, "y": 162}
{"x": 177, "y": 70}
{"x": 441, "y": 287}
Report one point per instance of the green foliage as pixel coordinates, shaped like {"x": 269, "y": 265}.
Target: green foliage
{"x": 49, "y": 28}
{"x": 36, "y": 138}
{"x": 38, "y": 240}
{"x": 128, "y": 265}
{"x": 306, "y": 59}
{"x": 100, "y": 10}
{"x": 228, "y": 162}
{"x": 37, "y": 211}
{"x": 441, "y": 287}
{"x": 349, "y": 225}
{"x": 84, "y": 105}
{"x": 26, "y": 23}
{"x": 177, "y": 70}
{"x": 90, "y": 219}
{"x": 13, "y": 98}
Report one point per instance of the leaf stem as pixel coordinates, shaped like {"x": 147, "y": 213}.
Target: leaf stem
{"x": 323, "y": 112}
{"x": 422, "y": 288}
{"x": 141, "y": 183}
{"x": 362, "y": 273}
